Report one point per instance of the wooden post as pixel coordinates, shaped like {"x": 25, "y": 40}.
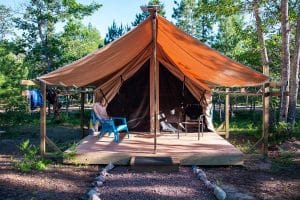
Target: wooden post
{"x": 43, "y": 121}
{"x": 153, "y": 14}
{"x": 67, "y": 102}
{"x": 227, "y": 105}
{"x": 82, "y": 95}
{"x": 154, "y": 75}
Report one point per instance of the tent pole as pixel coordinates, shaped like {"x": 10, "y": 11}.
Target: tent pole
{"x": 153, "y": 14}
{"x": 154, "y": 75}
{"x": 43, "y": 120}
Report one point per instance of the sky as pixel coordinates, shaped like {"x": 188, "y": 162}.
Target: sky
{"x": 122, "y": 11}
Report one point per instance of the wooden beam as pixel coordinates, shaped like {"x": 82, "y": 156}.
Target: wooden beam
{"x": 242, "y": 93}
{"x": 43, "y": 121}
{"x": 29, "y": 82}
{"x": 276, "y": 84}
{"x": 277, "y": 93}
{"x": 53, "y": 145}
{"x": 227, "y": 105}
{"x": 82, "y": 94}
{"x": 221, "y": 133}
{"x": 221, "y": 127}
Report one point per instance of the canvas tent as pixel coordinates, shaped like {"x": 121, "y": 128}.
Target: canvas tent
{"x": 126, "y": 74}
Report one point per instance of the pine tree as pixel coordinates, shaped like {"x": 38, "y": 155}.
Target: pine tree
{"x": 114, "y": 32}
{"x": 140, "y": 17}
{"x": 191, "y": 19}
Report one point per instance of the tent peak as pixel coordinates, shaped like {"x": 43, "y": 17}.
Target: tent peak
{"x": 150, "y": 8}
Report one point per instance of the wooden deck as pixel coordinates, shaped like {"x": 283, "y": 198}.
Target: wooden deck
{"x": 211, "y": 149}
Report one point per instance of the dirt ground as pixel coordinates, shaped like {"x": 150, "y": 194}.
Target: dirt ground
{"x": 276, "y": 179}
{"x": 260, "y": 179}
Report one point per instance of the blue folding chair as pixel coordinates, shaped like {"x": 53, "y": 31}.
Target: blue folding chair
{"x": 110, "y": 125}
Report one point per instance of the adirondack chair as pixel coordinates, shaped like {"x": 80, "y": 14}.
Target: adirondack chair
{"x": 111, "y": 125}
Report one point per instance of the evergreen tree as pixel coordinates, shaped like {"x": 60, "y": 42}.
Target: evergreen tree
{"x": 191, "y": 19}
{"x": 114, "y": 32}
{"x": 140, "y": 17}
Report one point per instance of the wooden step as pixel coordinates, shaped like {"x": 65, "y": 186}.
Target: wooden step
{"x": 157, "y": 164}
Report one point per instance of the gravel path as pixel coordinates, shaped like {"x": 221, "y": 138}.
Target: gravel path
{"x": 55, "y": 183}
{"x": 124, "y": 183}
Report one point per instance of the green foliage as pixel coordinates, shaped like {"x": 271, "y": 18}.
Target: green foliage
{"x": 279, "y": 132}
{"x": 30, "y": 160}
{"x": 70, "y": 153}
{"x": 41, "y": 48}
{"x": 296, "y": 131}
{"x": 77, "y": 41}
{"x": 38, "y": 26}
{"x": 12, "y": 118}
{"x": 244, "y": 146}
{"x": 114, "y": 32}
{"x": 282, "y": 128}
{"x": 237, "y": 41}
{"x": 191, "y": 21}
{"x": 11, "y": 72}
{"x": 140, "y": 17}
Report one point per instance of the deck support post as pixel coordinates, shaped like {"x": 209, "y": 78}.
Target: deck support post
{"x": 43, "y": 120}
{"x": 82, "y": 97}
{"x": 227, "y": 105}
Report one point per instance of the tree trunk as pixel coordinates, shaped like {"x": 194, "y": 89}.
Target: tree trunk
{"x": 260, "y": 35}
{"x": 294, "y": 78}
{"x": 266, "y": 92}
{"x": 285, "y": 70}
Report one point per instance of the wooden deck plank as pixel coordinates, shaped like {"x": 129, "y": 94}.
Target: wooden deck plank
{"x": 211, "y": 149}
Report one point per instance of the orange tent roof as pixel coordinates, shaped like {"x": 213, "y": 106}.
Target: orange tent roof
{"x": 204, "y": 67}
